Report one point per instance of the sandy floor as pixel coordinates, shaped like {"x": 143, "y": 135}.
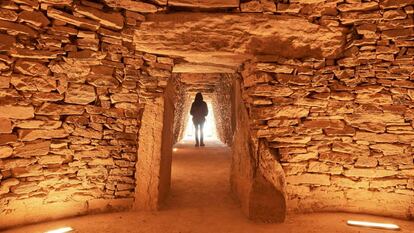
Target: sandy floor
{"x": 200, "y": 202}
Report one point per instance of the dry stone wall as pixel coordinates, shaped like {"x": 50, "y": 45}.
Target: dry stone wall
{"x": 222, "y": 106}
{"x": 343, "y": 127}
{"x": 72, "y": 89}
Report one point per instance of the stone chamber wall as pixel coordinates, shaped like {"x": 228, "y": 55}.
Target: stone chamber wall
{"x": 343, "y": 128}
{"x": 222, "y": 105}
{"x": 72, "y": 89}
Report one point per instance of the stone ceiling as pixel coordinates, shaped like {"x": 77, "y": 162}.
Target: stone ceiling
{"x": 211, "y": 41}
{"x": 197, "y": 82}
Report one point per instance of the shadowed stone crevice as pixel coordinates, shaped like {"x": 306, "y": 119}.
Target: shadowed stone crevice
{"x": 267, "y": 203}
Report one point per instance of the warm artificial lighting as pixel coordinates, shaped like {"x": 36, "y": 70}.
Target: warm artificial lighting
{"x": 388, "y": 226}
{"x": 175, "y": 149}
{"x": 61, "y": 230}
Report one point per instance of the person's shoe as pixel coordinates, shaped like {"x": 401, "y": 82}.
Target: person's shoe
{"x": 196, "y": 145}
{"x": 202, "y": 144}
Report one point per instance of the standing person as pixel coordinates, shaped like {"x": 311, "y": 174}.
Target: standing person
{"x": 199, "y": 111}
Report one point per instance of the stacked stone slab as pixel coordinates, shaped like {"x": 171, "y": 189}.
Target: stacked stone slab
{"x": 343, "y": 127}
{"x": 71, "y": 89}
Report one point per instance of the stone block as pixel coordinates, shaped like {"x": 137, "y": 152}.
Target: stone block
{"x": 16, "y": 112}
{"x": 5, "y": 152}
{"x": 369, "y": 173}
{"x": 141, "y": 7}
{"x": 80, "y": 94}
{"x": 102, "y": 162}
{"x": 7, "y": 139}
{"x": 337, "y": 157}
{"x": 36, "y": 18}
{"x": 51, "y": 109}
{"x": 385, "y": 183}
{"x": 32, "y": 149}
{"x": 5, "y": 125}
{"x": 87, "y": 133}
{"x": 312, "y": 179}
{"x": 112, "y": 20}
{"x": 51, "y": 159}
{"x": 7, "y": 164}
{"x": 252, "y": 6}
{"x": 4, "y": 81}
{"x": 364, "y": 6}
{"x": 293, "y": 158}
{"x": 365, "y": 161}
{"x": 93, "y": 172}
{"x": 270, "y": 91}
{"x": 17, "y": 29}
{"x": 293, "y": 140}
{"x": 322, "y": 167}
{"x": 390, "y": 149}
{"x": 70, "y": 19}
{"x": 373, "y": 137}
{"x": 351, "y": 148}
{"x": 31, "y": 68}
{"x": 35, "y": 54}
{"x": 124, "y": 97}
{"x": 349, "y": 183}
{"x": 281, "y": 112}
{"x": 28, "y": 83}
{"x": 7, "y": 42}
{"x": 33, "y": 134}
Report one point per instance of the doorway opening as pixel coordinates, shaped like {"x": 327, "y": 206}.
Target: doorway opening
{"x": 200, "y": 175}
{"x": 210, "y": 130}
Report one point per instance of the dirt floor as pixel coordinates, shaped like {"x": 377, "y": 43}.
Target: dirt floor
{"x": 200, "y": 202}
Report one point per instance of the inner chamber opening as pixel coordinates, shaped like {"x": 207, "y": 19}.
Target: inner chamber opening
{"x": 209, "y": 129}
{"x": 199, "y": 175}
{"x": 217, "y": 93}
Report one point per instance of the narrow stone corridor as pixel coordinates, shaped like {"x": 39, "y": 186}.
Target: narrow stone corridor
{"x": 200, "y": 177}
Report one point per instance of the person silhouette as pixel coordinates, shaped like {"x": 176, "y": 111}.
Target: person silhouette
{"x": 199, "y": 111}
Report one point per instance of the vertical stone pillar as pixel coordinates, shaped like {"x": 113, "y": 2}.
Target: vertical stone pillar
{"x": 156, "y": 138}
{"x": 148, "y": 166}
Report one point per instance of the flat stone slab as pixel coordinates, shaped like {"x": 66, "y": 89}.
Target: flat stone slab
{"x": 229, "y": 39}
{"x": 205, "y": 3}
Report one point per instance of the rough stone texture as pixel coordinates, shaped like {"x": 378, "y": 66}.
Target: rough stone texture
{"x": 205, "y": 3}
{"x": 66, "y": 148}
{"x": 329, "y": 91}
{"x": 148, "y": 177}
{"x": 257, "y": 178}
{"x": 230, "y": 39}
{"x": 352, "y": 150}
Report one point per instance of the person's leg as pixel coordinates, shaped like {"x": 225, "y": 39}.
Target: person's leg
{"x": 196, "y": 126}
{"x": 201, "y": 134}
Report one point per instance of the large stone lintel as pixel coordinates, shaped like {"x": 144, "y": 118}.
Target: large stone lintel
{"x": 230, "y": 39}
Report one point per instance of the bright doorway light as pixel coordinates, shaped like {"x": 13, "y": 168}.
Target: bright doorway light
{"x": 210, "y": 132}
{"x": 388, "y": 226}
{"x": 61, "y": 230}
